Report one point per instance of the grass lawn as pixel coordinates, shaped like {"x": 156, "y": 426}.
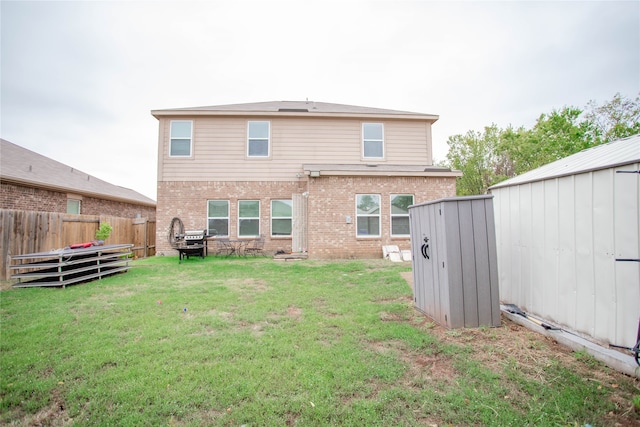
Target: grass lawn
{"x": 255, "y": 342}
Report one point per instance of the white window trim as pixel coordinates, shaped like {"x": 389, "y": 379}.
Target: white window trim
{"x": 379, "y": 215}
{"x": 73, "y": 199}
{"x": 249, "y": 156}
{"x": 372, "y": 140}
{"x": 181, "y": 138}
{"x": 281, "y": 236}
{"x": 392, "y": 215}
{"x": 228, "y": 217}
{"x": 248, "y": 217}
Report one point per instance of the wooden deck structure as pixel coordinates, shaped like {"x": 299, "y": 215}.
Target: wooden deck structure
{"x": 64, "y": 267}
{"x": 29, "y": 232}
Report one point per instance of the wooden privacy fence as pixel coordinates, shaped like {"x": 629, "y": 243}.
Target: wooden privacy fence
{"x": 25, "y": 232}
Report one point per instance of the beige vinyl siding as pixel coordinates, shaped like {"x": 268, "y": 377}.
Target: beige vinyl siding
{"x": 220, "y": 144}
{"x": 406, "y": 143}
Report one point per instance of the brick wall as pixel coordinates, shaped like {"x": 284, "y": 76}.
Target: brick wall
{"x": 187, "y": 200}
{"x": 35, "y": 199}
{"x": 331, "y": 199}
{"x": 31, "y": 199}
{"x": 92, "y": 206}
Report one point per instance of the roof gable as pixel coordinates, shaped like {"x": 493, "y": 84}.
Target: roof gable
{"x": 20, "y": 165}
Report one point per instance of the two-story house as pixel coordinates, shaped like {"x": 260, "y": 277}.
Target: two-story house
{"x": 331, "y": 180}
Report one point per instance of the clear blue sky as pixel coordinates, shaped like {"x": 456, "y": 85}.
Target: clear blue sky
{"x": 79, "y": 78}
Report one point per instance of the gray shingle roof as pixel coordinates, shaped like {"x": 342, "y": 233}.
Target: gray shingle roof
{"x": 616, "y": 153}
{"x": 19, "y": 165}
{"x": 296, "y": 108}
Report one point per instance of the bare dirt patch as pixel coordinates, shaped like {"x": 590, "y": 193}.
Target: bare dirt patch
{"x": 54, "y": 414}
{"x": 422, "y": 368}
{"x": 532, "y": 353}
{"x": 509, "y": 342}
{"x": 408, "y": 276}
{"x": 294, "y": 312}
{"x": 221, "y": 314}
{"x": 249, "y": 284}
{"x": 390, "y": 317}
{"x": 321, "y": 306}
{"x": 272, "y": 319}
{"x": 496, "y": 348}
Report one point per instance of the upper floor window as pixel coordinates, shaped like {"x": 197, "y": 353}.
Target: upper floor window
{"x": 281, "y": 217}
{"x": 400, "y": 214}
{"x": 368, "y": 215}
{"x": 218, "y": 218}
{"x": 73, "y": 206}
{"x": 248, "y": 218}
{"x": 180, "y": 141}
{"x": 258, "y": 139}
{"x": 372, "y": 140}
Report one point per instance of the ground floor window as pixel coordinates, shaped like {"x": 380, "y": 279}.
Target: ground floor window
{"x": 400, "y": 214}
{"x": 218, "y": 218}
{"x": 281, "y": 217}
{"x": 368, "y": 215}
{"x": 73, "y": 206}
{"x": 248, "y": 218}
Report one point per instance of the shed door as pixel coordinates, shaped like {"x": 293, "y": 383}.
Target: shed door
{"x": 423, "y": 255}
{"x": 299, "y": 224}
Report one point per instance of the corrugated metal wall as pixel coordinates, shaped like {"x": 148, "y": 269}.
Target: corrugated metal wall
{"x": 558, "y": 241}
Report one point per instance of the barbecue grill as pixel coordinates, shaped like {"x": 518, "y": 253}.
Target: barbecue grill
{"x": 194, "y": 237}
{"x": 193, "y": 244}
{"x": 187, "y": 243}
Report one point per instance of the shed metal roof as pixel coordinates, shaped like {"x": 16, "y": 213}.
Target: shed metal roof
{"x": 293, "y": 108}
{"x": 616, "y": 153}
{"x": 22, "y": 166}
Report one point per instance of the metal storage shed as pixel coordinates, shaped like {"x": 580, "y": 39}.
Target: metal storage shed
{"x": 568, "y": 241}
{"x": 453, "y": 247}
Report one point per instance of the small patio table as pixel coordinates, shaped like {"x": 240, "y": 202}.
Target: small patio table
{"x": 237, "y": 246}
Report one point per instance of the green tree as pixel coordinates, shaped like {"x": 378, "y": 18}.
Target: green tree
{"x": 486, "y": 158}
{"x": 474, "y": 155}
{"x": 616, "y": 119}
{"x": 514, "y": 153}
{"x": 561, "y": 134}
{"x": 554, "y": 136}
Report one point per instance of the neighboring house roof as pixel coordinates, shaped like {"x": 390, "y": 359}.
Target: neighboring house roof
{"x": 616, "y": 153}
{"x": 378, "y": 170}
{"x": 25, "y": 167}
{"x": 293, "y": 108}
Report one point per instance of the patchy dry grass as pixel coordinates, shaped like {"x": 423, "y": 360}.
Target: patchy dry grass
{"x": 252, "y": 342}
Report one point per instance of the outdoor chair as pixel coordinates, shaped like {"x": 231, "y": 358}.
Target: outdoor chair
{"x": 223, "y": 247}
{"x": 255, "y": 247}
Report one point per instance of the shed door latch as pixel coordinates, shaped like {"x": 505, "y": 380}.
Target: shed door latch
{"x": 425, "y": 248}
